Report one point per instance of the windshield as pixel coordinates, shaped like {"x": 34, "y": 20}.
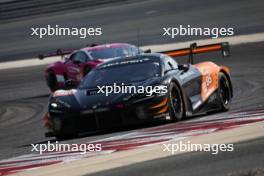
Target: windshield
{"x": 109, "y": 53}
{"x": 121, "y": 74}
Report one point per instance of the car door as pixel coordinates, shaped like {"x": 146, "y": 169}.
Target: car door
{"x": 190, "y": 79}
{"x": 74, "y": 66}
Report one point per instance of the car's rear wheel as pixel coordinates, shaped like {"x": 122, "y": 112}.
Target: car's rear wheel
{"x": 52, "y": 80}
{"x": 176, "y": 107}
{"x": 224, "y": 92}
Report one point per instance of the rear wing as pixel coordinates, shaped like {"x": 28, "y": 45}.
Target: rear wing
{"x": 194, "y": 49}
{"x": 61, "y": 52}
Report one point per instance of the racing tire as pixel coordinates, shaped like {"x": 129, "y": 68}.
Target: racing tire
{"x": 65, "y": 137}
{"x": 86, "y": 70}
{"x": 176, "y": 105}
{"x": 64, "y": 130}
{"x": 224, "y": 92}
{"x": 52, "y": 80}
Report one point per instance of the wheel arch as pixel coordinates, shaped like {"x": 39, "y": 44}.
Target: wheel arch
{"x": 185, "y": 107}
{"x": 226, "y": 72}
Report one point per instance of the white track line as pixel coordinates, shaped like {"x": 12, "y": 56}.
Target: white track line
{"x": 234, "y": 40}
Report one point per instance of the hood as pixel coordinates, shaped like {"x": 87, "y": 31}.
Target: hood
{"x": 96, "y": 62}
{"x": 90, "y": 98}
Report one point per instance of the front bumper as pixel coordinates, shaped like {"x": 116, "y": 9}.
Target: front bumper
{"x": 106, "y": 117}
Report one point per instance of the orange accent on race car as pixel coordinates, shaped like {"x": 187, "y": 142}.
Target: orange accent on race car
{"x": 207, "y": 49}
{"x": 178, "y": 53}
{"x": 210, "y": 72}
{"x": 225, "y": 69}
{"x": 162, "y": 103}
{"x": 163, "y": 110}
{"x": 187, "y": 51}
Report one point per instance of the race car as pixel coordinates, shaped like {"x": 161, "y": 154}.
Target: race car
{"x": 143, "y": 88}
{"x": 80, "y": 62}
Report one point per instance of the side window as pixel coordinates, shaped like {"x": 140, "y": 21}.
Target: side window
{"x": 167, "y": 65}
{"x": 79, "y": 57}
{"x": 134, "y": 50}
{"x": 127, "y": 51}
{"x": 173, "y": 63}
{"x": 120, "y": 52}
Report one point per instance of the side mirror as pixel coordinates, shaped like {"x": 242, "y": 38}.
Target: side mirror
{"x": 41, "y": 56}
{"x": 147, "y": 51}
{"x": 225, "y": 49}
{"x": 184, "y": 67}
{"x": 69, "y": 84}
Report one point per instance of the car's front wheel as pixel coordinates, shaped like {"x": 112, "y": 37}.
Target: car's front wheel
{"x": 52, "y": 80}
{"x": 86, "y": 70}
{"x": 176, "y": 106}
{"x": 64, "y": 129}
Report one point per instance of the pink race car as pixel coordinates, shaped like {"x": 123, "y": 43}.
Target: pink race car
{"x": 79, "y": 62}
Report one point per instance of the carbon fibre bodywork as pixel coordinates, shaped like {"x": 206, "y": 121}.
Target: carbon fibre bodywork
{"x": 81, "y": 110}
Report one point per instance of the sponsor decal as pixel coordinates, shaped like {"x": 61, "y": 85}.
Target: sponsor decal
{"x": 60, "y": 93}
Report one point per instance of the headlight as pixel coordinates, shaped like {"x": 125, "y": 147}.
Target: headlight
{"x": 59, "y": 104}
{"x": 54, "y": 105}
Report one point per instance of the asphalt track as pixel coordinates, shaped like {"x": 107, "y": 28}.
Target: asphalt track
{"x": 21, "y": 115}
{"x": 24, "y": 94}
{"x": 249, "y": 154}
